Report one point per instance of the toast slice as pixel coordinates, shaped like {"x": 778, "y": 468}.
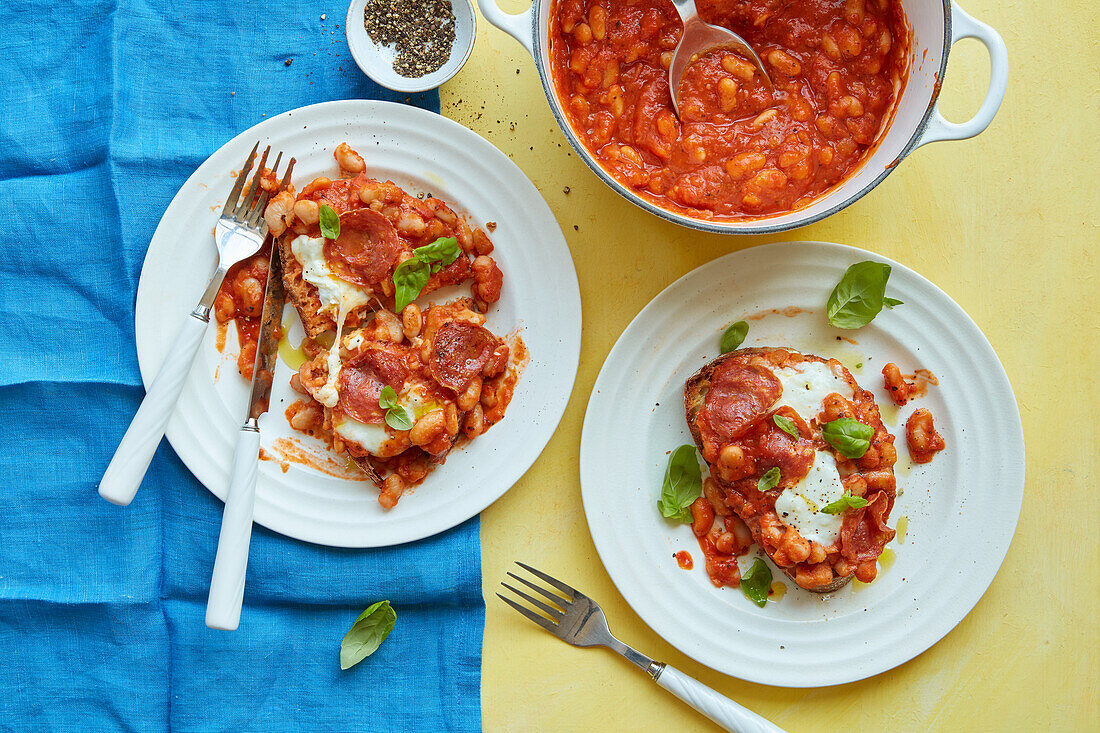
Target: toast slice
{"x": 747, "y": 396}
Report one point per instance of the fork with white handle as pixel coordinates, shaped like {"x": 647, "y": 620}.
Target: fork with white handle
{"x": 239, "y": 233}
{"x": 578, "y": 620}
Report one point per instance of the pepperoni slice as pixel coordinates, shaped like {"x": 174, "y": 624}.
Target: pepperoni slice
{"x": 460, "y": 351}
{"x": 366, "y": 249}
{"x": 864, "y": 532}
{"x": 361, "y": 381}
{"x": 739, "y": 396}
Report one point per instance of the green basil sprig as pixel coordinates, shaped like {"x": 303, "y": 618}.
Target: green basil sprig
{"x": 850, "y": 437}
{"x": 734, "y": 336}
{"x": 329, "y": 222}
{"x": 844, "y": 503}
{"x": 367, "y": 634}
{"x": 413, "y": 274}
{"x": 787, "y": 425}
{"x": 756, "y": 583}
{"x": 398, "y": 416}
{"x": 683, "y": 484}
{"x": 769, "y": 480}
{"x": 860, "y": 295}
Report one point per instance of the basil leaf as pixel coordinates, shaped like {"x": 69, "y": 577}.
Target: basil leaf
{"x": 409, "y": 279}
{"x": 444, "y": 250}
{"x": 787, "y": 425}
{"x": 734, "y": 336}
{"x": 769, "y": 480}
{"x": 400, "y": 418}
{"x": 851, "y": 438}
{"x": 756, "y": 583}
{"x": 388, "y": 398}
{"x": 845, "y": 502}
{"x": 329, "y": 221}
{"x": 367, "y": 634}
{"x": 683, "y": 484}
{"x": 860, "y": 295}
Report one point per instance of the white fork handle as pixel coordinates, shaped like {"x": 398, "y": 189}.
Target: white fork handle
{"x": 131, "y": 460}
{"x": 714, "y": 705}
{"x": 223, "y": 606}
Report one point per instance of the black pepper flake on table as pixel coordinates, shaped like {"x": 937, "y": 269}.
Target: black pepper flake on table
{"x": 421, "y": 31}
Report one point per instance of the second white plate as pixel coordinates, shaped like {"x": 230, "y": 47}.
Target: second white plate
{"x": 961, "y": 509}
{"x": 423, "y": 152}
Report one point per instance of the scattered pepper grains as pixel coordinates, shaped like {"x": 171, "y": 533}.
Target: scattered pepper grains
{"x": 422, "y": 32}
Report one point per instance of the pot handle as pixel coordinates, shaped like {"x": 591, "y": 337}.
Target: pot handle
{"x": 965, "y": 26}
{"x": 519, "y": 26}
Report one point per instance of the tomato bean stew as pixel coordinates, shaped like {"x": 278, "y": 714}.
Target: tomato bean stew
{"x": 740, "y": 150}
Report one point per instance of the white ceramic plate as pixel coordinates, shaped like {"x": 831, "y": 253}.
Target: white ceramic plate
{"x": 422, "y": 152}
{"x": 962, "y": 508}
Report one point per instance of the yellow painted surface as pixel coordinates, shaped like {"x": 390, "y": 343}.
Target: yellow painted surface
{"x": 1007, "y": 224}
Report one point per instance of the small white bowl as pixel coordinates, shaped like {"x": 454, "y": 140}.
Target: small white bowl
{"x": 376, "y": 60}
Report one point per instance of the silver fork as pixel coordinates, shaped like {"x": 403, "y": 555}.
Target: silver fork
{"x": 576, "y": 619}
{"x": 239, "y": 233}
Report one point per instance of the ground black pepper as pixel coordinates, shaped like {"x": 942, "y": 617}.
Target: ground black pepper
{"x": 422, "y": 32}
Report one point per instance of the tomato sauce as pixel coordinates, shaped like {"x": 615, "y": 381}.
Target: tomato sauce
{"x": 740, "y": 149}
{"x": 241, "y": 299}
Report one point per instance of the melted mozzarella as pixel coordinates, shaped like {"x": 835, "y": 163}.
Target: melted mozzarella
{"x": 333, "y": 291}
{"x": 335, "y": 294}
{"x": 806, "y": 385}
{"x": 799, "y": 506}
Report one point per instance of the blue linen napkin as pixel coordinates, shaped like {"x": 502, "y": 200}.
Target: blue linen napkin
{"x": 109, "y": 106}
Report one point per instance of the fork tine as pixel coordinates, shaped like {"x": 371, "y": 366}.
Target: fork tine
{"x": 549, "y": 610}
{"x": 554, "y": 597}
{"x": 231, "y": 201}
{"x": 540, "y": 620}
{"x": 252, "y": 218}
{"x": 573, "y": 593}
{"x": 244, "y": 205}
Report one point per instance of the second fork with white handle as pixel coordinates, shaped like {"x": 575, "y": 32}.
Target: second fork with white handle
{"x": 578, "y": 620}
{"x": 239, "y": 233}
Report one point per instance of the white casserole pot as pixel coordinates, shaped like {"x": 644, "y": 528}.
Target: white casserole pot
{"x": 936, "y": 24}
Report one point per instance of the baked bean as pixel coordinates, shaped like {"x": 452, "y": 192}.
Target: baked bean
{"x": 583, "y": 33}
{"x": 471, "y": 395}
{"x": 784, "y": 63}
{"x": 740, "y": 68}
{"x": 796, "y": 546}
{"x": 770, "y": 528}
{"x": 387, "y": 327}
{"x": 497, "y": 363}
{"x": 317, "y": 184}
{"x": 732, "y": 457}
{"x": 279, "y": 213}
{"x": 482, "y": 244}
{"x": 306, "y": 418}
{"x": 762, "y": 119}
{"x": 817, "y": 553}
{"x": 597, "y": 19}
{"x": 849, "y": 41}
{"x": 829, "y": 45}
{"x": 895, "y": 384}
{"x": 742, "y": 164}
{"x": 450, "y": 415}
{"x": 307, "y": 211}
{"x": 224, "y": 307}
{"x": 715, "y": 497}
{"x": 702, "y": 516}
{"x": 920, "y": 433}
{"x": 813, "y": 576}
{"x": 251, "y": 294}
{"x": 488, "y": 279}
{"x": 474, "y": 423}
{"x": 349, "y": 161}
{"x": 411, "y": 224}
{"x": 866, "y": 571}
{"x": 615, "y": 100}
{"x": 428, "y": 428}
{"x": 610, "y": 74}
{"x": 666, "y": 60}
{"x": 726, "y": 543}
{"x": 727, "y": 94}
{"x": 411, "y": 321}
{"x": 392, "y": 488}
{"x": 853, "y": 11}
{"x": 296, "y": 384}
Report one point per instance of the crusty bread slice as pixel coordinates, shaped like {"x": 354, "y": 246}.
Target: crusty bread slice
{"x": 695, "y": 394}
{"x": 301, "y": 294}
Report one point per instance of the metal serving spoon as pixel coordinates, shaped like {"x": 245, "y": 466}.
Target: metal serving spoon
{"x": 700, "y": 37}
